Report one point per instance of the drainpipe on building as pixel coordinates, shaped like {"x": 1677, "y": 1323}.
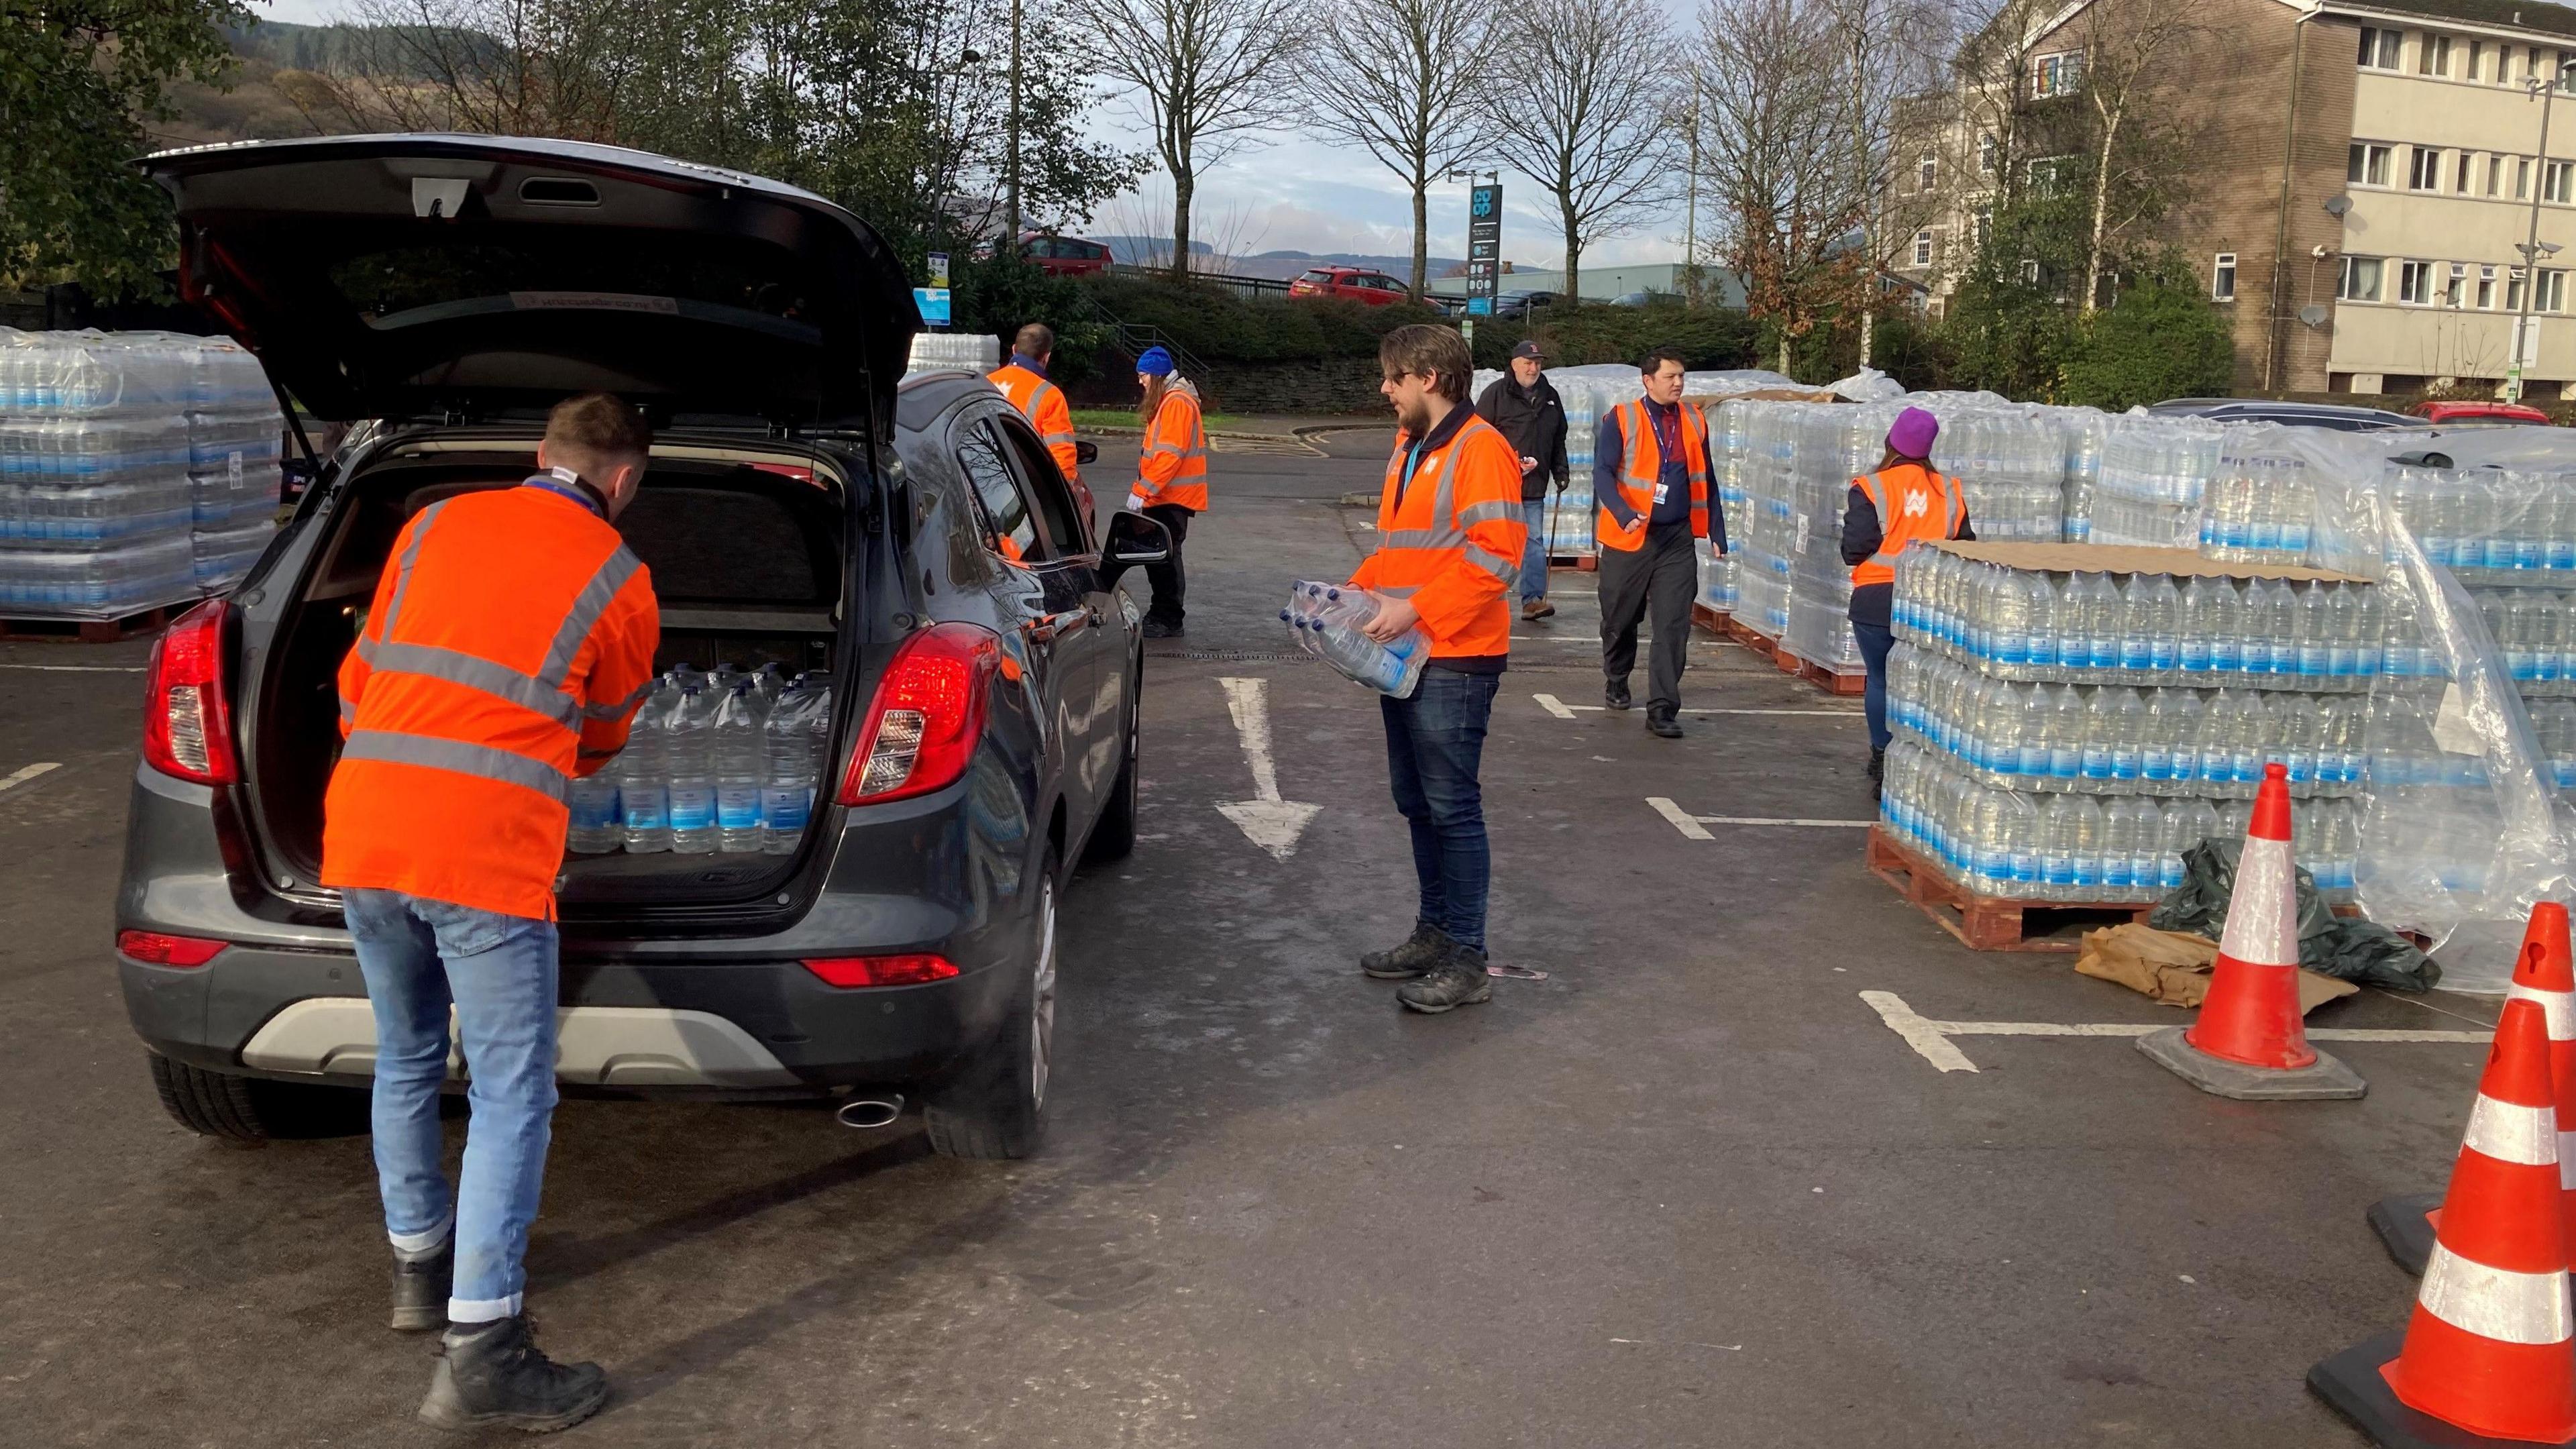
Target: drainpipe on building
{"x": 2272, "y": 344}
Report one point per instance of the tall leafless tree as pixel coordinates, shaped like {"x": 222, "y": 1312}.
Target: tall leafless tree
{"x": 1209, "y": 76}
{"x": 1772, "y": 147}
{"x": 1590, "y": 106}
{"x": 2134, "y": 52}
{"x": 1398, "y": 79}
{"x": 1887, "y": 51}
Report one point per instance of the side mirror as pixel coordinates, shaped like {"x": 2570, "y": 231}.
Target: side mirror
{"x": 1086, "y": 452}
{"x": 1133, "y": 539}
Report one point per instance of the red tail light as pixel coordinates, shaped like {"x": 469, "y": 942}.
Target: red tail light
{"x": 187, "y": 724}
{"x": 881, "y": 970}
{"x": 163, "y": 950}
{"x": 927, "y": 717}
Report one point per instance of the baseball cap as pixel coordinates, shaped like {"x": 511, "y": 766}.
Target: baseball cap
{"x": 1527, "y": 347}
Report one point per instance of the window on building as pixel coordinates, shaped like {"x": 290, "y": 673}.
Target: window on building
{"x": 2476, "y": 69}
{"x": 2222, "y": 278}
{"x": 2521, "y": 178}
{"x": 2495, "y": 175}
{"x": 2359, "y": 280}
{"x": 2513, "y": 290}
{"x": 2368, "y": 165}
{"x": 2552, "y": 294}
{"x": 2560, "y": 72}
{"x": 2425, "y": 173}
{"x": 2455, "y": 292}
{"x": 2061, "y": 74}
{"x": 2461, "y": 184}
{"x": 2030, "y": 271}
{"x": 2043, "y": 173}
{"x": 1923, "y": 249}
{"x": 2433, "y": 55}
{"x": 1987, "y": 152}
{"x": 1977, "y": 225}
{"x": 2415, "y": 283}
{"x": 1927, "y": 171}
{"x": 2531, "y": 63}
{"x": 2486, "y": 289}
{"x": 2558, "y": 181}
{"x": 2379, "y": 47}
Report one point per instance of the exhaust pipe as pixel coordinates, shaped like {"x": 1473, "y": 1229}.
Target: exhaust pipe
{"x": 866, "y": 1112}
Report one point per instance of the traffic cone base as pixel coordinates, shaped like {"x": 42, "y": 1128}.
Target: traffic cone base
{"x": 2405, "y": 1225}
{"x": 2352, "y": 1384}
{"x": 2324, "y": 1079}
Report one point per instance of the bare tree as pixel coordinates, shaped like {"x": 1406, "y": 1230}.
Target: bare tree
{"x": 1398, "y": 79}
{"x": 1209, "y": 75}
{"x": 2130, "y": 51}
{"x": 1992, "y": 72}
{"x": 1771, "y": 144}
{"x": 1886, "y": 49}
{"x": 506, "y": 67}
{"x": 1589, "y": 107}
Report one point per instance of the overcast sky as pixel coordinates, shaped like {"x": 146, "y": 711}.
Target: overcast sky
{"x": 1297, "y": 193}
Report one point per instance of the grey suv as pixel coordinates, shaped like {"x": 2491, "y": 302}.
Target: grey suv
{"x": 803, "y": 507}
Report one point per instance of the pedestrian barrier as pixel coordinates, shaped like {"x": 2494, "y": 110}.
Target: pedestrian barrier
{"x": 2250, "y": 1042}
{"x": 2489, "y": 1355}
{"x": 2545, "y": 974}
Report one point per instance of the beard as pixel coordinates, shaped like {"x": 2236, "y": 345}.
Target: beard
{"x": 1415, "y": 420}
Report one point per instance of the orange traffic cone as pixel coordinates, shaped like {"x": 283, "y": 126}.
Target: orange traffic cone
{"x": 2546, "y": 976}
{"x": 2249, "y": 1042}
{"x": 2491, "y": 1349}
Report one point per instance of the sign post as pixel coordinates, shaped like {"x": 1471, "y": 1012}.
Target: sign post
{"x": 939, "y": 269}
{"x": 1484, "y": 247}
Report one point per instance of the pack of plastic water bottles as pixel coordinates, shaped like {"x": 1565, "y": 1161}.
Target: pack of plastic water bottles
{"x": 1327, "y": 620}
{"x": 726, "y": 761}
{"x": 136, "y": 469}
{"x": 944, "y": 351}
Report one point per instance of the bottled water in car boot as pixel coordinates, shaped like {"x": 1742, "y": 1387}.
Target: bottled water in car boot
{"x": 797, "y": 728}
{"x": 595, "y": 826}
{"x": 691, "y": 742}
{"x": 643, "y": 774}
{"x": 741, "y": 766}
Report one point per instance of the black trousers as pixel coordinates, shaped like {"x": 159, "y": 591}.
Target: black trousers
{"x": 1169, "y": 582}
{"x": 1658, "y": 581}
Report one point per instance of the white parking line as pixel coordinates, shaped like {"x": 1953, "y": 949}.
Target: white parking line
{"x": 79, "y": 668}
{"x": 1562, "y": 710}
{"x": 25, "y": 773}
{"x": 1694, "y": 827}
{"x": 1931, "y": 1039}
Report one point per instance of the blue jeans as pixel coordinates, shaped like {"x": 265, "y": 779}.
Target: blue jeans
{"x": 1434, "y": 743}
{"x": 1875, "y": 641}
{"x": 1534, "y": 556}
{"x": 499, "y": 972}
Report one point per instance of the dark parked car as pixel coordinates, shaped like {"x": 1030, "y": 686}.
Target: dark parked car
{"x": 442, "y": 291}
{"x": 1519, "y": 304}
{"x": 2293, "y": 414}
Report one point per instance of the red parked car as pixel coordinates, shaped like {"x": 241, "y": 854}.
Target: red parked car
{"x": 1064, "y": 256}
{"x": 2462, "y": 414}
{"x": 1359, "y": 284}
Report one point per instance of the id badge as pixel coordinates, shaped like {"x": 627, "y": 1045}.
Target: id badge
{"x": 1660, "y": 490}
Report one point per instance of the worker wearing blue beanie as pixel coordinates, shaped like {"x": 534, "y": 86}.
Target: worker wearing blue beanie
{"x": 1171, "y": 479}
{"x": 1155, "y": 363}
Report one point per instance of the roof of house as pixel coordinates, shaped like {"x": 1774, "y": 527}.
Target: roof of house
{"x": 2533, "y": 15}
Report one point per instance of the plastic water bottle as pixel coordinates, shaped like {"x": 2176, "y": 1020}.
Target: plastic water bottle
{"x": 2099, "y": 726}
{"x": 2137, "y": 621}
{"x": 2120, "y": 848}
{"x": 2066, "y": 733}
{"x": 2316, "y": 630}
{"x": 2223, "y": 619}
{"x": 2088, "y": 847}
{"x": 795, "y": 734}
{"x": 643, "y": 774}
{"x": 595, "y": 827}
{"x": 741, "y": 769}
{"x": 2057, "y": 844}
{"x": 691, "y": 739}
{"x": 2128, "y": 734}
{"x": 2037, "y": 710}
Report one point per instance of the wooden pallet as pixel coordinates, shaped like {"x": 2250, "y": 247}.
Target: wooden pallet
{"x": 1583, "y": 563}
{"x": 93, "y": 631}
{"x": 1713, "y": 620}
{"x": 1986, "y": 923}
{"x": 1831, "y": 682}
{"x": 1734, "y": 627}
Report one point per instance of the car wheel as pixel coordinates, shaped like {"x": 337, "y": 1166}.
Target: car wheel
{"x": 253, "y": 1109}
{"x": 993, "y": 1106}
{"x": 1114, "y": 837}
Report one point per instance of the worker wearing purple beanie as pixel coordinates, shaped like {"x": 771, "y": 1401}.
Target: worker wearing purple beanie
{"x": 1902, "y": 500}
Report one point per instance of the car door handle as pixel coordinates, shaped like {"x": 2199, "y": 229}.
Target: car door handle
{"x": 1046, "y": 628}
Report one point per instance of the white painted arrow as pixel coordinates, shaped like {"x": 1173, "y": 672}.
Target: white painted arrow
{"x": 1266, "y": 820}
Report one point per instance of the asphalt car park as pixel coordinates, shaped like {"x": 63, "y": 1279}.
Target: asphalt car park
{"x": 1689, "y": 1188}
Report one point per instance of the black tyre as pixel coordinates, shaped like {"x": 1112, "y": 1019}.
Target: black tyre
{"x": 993, "y": 1105}
{"x": 1114, "y": 838}
{"x": 251, "y": 1109}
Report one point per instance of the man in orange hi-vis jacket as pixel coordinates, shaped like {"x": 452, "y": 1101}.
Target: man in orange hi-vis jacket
{"x": 1023, "y": 380}
{"x": 1171, "y": 478}
{"x": 1449, "y": 540}
{"x": 510, "y": 640}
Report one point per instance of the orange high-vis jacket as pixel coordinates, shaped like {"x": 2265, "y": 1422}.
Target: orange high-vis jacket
{"x": 1912, "y": 502}
{"x": 510, "y": 641}
{"x": 1450, "y": 538}
{"x": 1173, "y": 466}
{"x": 1643, "y": 465}
{"x": 1043, "y": 404}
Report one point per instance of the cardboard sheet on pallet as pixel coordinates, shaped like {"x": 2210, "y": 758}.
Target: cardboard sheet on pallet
{"x": 2112, "y": 558}
{"x": 2174, "y": 967}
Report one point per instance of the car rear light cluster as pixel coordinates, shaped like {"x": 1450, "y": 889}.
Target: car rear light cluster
{"x": 187, "y": 723}
{"x": 161, "y": 950}
{"x": 927, "y": 717}
{"x": 907, "y": 970}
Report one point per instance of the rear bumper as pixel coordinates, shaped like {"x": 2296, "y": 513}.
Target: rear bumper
{"x": 751, "y": 1026}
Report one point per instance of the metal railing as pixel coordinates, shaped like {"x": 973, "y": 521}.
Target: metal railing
{"x": 1134, "y": 337}
{"x": 1255, "y": 288}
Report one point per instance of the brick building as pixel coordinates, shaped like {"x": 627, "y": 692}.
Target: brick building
{"x": 2362, "y": 180}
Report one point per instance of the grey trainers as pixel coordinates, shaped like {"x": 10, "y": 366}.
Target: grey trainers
{"x": 492, "y": 1375}
{"x": 421, "y": 1289}
{"x": 1420, "y": 952}
{"x": 1459, "y": 980}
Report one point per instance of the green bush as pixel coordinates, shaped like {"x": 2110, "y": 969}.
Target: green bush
{"x": 2158, "y": 341}
{"x": 1005, "y": 293}
{"x": 1218, "y": 326}
{"x": 1710, "y": 338}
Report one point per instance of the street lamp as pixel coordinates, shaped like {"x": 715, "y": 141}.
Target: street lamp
{"x": 2532, "y": 250}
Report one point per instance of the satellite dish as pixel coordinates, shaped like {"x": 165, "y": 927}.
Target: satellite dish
{"x": 2313, "y": 316}
{"x": 2338, "y": 205}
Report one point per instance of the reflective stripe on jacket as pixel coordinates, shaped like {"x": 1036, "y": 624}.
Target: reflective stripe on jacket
{"x": 1644, "y": 465}
{"x": 1912, "y": 502}
{"x": 1450, "y": 540}
{"x": 1043, "y": 404}
{"x": 1172, "y": 468}
{"x": 509, "y": 643}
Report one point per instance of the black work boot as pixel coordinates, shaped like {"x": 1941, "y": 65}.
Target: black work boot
{"x": 1878, "y": 764}
{"x": 494, "y": 1375}
{"x": 1420, "y": 952}
{"x": 1615, "y": 694}
{"x": 421, "y": 1290}
{"x": 1161, "y": 628}
{"x": 1663, "y": 725}
{"x": 1458, "y": 980}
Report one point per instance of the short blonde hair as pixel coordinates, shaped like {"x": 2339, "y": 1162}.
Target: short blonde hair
{"x": 598, "y": 429}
